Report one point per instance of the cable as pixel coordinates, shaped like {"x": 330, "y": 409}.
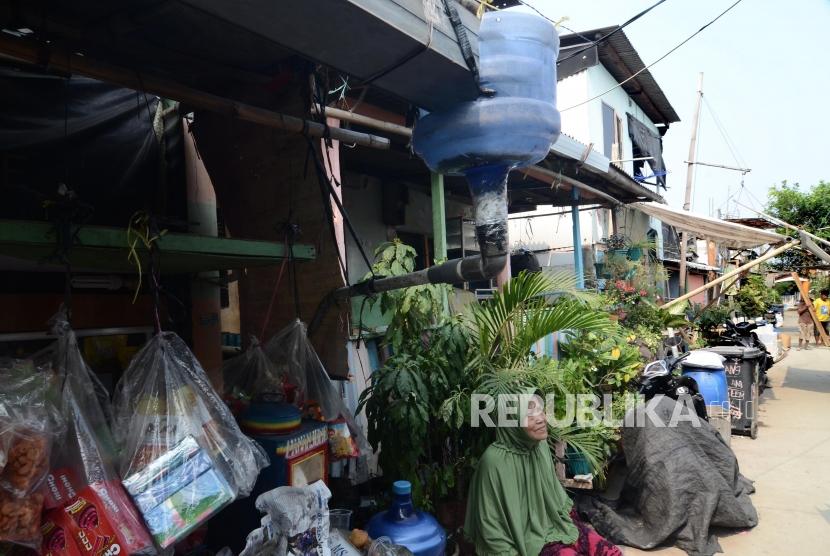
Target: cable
{"x": 690, "y": 37}
{"x": 604, "y": 37}
{"x": 739, "y": 160}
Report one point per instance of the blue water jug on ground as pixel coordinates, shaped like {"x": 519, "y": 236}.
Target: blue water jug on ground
{"x": 418, "y": 531}
{"x": 708, "y": 371}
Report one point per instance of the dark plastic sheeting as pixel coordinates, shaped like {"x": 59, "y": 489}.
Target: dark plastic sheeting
{"x": 96, "y": 138}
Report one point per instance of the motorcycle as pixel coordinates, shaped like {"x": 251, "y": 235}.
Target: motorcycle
{"x": 658, "y": 378}
{"x": 742, "y": 334}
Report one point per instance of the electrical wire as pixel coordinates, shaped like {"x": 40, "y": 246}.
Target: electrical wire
{"x": 726, "y": 137}
{"x": 604, "y": 37}
{"x": 664, "y": 56}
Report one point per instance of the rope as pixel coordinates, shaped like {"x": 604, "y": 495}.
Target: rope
{"x": 273, "y": 297}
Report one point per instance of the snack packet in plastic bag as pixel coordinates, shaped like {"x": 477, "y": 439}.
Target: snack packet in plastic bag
{"x": 29, "y": 423}
{"x": 249, "y": 375}
{"x": 292, "y": 352}
{"x": 169, "y": 418}
{"x": 87, "y": 509}
{"x": 341, "y": 442}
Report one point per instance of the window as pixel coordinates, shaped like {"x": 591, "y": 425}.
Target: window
{"x": 616, "y": 148}
{"x": 612, "y": 133}
{"x": 607, "y": 130}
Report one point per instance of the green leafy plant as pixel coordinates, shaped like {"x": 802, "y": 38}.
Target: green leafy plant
{"x": 503, "y": 332}
{"x": 615, "y": 242}
{"x": 709, "y": 319}
{"x": 808, "y": 208}
{"x": 411, "y": 310}
{"x": 754, "y": 297}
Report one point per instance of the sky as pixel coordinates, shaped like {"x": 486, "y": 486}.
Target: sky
{"x": 766, "y": 67}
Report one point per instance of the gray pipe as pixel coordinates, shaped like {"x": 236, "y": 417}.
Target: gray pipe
{"x": 489, "y": 191}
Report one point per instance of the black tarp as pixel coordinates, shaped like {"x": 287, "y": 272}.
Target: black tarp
{"x": 682, "y": 481}
{"x": 96, "y": 138}
{"x": 647, "y": 143}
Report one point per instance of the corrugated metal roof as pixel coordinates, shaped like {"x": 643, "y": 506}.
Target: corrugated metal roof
{"x": 622, "y": 61}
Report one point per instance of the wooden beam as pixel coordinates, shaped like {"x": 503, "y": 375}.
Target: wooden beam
{"x": 55, "y": 58}
{"x": 805, "y": 295}
{"x": 105, "y": 248}
{"x": 550, "y": 177}
{"x": 360, "y": 119}
{"x": 728, "y": 275}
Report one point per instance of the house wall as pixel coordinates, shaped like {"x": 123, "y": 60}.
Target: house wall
{"x": 575, "y": 121}
{"x": 363, "y": 201}
{"x": 261, "y": 183}
{"x": 599, "y": 80}
{"x": 584, "y": 123}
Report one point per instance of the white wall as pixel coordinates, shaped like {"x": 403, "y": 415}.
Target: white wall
{"x": 570, "y": 92}
{"x": 599, "y": 80}
{"x": 584, "y": 123}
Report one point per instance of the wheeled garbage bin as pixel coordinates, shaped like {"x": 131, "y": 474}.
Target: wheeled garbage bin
{"x": 741, "y": 368}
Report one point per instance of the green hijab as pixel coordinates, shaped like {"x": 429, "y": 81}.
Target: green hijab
{"x": 516, "y": 504}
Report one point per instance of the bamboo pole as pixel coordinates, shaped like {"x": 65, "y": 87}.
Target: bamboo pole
{"x": 783, "y": 224}
{"x": 545, "y": 175}
{"x": 360, "y": 119}
{"x": 55, "y": 58}
{"x": 728, "y": 275}
{"x": 690, "y": 169}
{"x": 805, "y": 295}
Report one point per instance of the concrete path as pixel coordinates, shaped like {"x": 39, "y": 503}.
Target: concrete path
{"x": 789, "y": 462}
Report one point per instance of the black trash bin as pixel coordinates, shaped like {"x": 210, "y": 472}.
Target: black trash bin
{"x": 741, "y": 366}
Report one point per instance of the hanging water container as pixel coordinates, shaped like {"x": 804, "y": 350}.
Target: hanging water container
{"x": 418, "y": 531}
{"x": 514, "y": 127}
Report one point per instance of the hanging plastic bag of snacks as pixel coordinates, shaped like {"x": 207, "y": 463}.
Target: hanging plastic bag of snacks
{"x": 292, "y": 352}
{"x": 249, "y": 375}
{"x": 87, "y": 509}
{"x": 183, "y": 457}
{"x": 29, "y": 423}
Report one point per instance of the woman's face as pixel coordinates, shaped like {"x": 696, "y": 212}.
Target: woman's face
{"x": 536, "y": 425}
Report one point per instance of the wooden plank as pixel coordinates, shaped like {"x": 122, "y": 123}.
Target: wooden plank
{"x": 805, "y": 295}
{"x": 106, "y": 248}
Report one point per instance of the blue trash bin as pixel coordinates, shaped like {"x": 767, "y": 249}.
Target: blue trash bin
{"x": 707, "y": 369}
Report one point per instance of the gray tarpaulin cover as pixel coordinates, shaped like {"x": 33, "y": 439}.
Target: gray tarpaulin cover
{"x": 681, "y": 483}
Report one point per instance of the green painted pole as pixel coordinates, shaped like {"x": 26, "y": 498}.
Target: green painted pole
{"x": 439, "y": 218}
{"x": 439, "y": 224}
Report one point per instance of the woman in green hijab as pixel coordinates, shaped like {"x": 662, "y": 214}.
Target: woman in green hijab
{"x": 516, "y": 505}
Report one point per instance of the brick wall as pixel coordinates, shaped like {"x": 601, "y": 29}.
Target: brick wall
{"x": 260, "y": 175}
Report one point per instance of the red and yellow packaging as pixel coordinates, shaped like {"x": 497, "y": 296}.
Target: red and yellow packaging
{"x": 97, "y": 520}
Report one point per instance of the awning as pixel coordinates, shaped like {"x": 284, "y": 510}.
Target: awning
{"x": 728, "y": 234}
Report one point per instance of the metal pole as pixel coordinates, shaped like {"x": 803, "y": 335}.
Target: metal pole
{"x": 579, "y": 266}
{"x": 439, "y": 224}
{"x": 687, "y": 200}
{"x": 439, "y": 218}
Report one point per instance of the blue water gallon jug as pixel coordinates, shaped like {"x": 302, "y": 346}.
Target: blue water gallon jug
{"x": 418, "y": 531}
{"x": 708, "y": 371}
{"x": 517, "y": 124}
